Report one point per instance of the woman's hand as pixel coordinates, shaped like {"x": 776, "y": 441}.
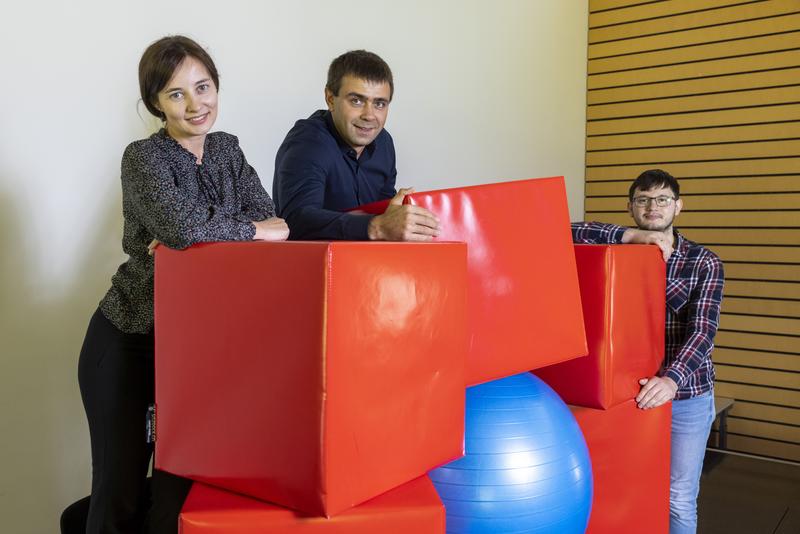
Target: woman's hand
{"x": 151, "y": 248}
{"x": 273, "y": 229}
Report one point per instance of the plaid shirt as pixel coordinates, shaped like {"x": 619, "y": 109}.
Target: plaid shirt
{"x": 694, "y": 293}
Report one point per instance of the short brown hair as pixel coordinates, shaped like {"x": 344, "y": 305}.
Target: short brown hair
{"x": 159, "y": 62}
{"x": 361, "y": 64}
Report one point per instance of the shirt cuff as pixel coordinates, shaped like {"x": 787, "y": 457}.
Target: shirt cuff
{"x": 248, "y": 231}
{"x": 357, "y": 228}
{"x": 675, "y": 376}
{"x": 616, "y": 233}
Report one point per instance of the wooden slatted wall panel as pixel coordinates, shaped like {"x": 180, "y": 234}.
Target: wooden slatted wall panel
{"x": 710, "y": 91}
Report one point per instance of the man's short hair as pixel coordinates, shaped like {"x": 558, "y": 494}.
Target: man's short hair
{"x": 360, "y": 64}
{"x": 654, "y": 179}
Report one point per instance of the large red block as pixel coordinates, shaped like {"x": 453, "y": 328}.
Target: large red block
{"x": 312, "y": 375}
{"x": 524, "y": 301}
{"x": 412, "y": 508}
{"x": 630, "y": 451}
{"x": 623, "y": 292}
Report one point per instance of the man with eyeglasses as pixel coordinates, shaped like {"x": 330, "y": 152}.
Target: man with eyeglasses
{"x": 694, "y": 293}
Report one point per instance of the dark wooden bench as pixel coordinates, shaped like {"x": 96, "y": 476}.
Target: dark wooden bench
{"x": 722, "y": 406}
{"x": 716, "y": 449}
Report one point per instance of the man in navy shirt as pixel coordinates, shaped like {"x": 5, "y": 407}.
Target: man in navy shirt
{"x": 341, "y": 158}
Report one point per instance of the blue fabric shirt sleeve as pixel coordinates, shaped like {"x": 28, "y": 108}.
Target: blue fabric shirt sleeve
{"x": 595, "y": 233}
{"x": 299, "y": 190}
{"x": 389, "y": 187}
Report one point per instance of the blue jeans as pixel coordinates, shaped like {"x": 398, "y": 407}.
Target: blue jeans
{"x": 691, "y": 424}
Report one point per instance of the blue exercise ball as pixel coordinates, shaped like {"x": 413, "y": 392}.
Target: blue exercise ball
{"x": 526, "y": 467}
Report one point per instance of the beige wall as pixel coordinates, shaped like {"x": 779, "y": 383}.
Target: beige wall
{"x": 485, "y": 91}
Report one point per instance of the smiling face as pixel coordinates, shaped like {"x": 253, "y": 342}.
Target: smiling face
{"x": 189, "y": 102}
{"x": 359, "y": 110}
{"x": 651, "y": 216}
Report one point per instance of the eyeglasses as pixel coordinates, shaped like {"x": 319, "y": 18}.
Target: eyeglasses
{"x": 661, "y": 202}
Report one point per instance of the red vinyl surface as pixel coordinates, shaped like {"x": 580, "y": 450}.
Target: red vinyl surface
{"x": 413, "y": 508}
{"x": 630, "y": 451}
{"x": 313, "y": 375}
{"x": 524, "y": 301}
{"x": 623, "y": 292}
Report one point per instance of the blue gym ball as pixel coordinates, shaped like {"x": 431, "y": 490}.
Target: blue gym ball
{"x": 526, "y": 468}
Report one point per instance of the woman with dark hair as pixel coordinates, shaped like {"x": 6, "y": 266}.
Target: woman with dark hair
{"x": 180, "y": 186}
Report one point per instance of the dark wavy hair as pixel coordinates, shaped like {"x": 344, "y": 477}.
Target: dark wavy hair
{"x": 159, "y": 62}
{"x": 654, "y": 179}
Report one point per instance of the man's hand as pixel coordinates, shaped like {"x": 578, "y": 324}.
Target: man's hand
{"x": 655, "y": 391}
{"x": 272, "y": 229}
{"x": 650, "y": 237}
{"x": 403, "y": 223}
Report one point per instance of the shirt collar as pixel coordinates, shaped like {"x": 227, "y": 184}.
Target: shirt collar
{"x": 343, "y": 146}
{"x": 171, "y": 144}
{"x": 681, "y": 243}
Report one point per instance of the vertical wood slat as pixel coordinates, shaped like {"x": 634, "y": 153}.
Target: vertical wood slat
{"x": 708, "y": 91}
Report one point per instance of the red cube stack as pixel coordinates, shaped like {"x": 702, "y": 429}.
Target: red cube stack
{"x": 320, "y": 380}
{"x": 314, "y": 376}
{"x": 623, "y": 292}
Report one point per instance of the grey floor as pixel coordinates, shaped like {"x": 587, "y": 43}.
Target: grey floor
{"x": 740, "y": 495}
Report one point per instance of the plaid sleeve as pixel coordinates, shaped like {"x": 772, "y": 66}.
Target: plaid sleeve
{"x": 703, "y": 321}
{"x": 595, "y": 233}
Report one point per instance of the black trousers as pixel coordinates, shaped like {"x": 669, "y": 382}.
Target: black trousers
{"x": 115, "y": 373}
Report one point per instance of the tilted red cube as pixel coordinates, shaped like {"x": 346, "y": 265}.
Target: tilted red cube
{"x": 622, "y": 288}
{"x": 524, "y": 301}
{"x": 630, "y": 452}
{"x": 311, "y": 375}
{"x": 412, "y": 508}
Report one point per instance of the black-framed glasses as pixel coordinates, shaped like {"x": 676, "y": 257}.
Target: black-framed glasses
{"x": 661, "y": 202}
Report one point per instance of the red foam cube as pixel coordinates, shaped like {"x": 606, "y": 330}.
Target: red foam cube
{"x": 623, "y": 292}
{"x": 630, "y": 452}
{"x": 412, "y": 508}
{"x": 524, "y": 301}
{"x": 311, "y": 375}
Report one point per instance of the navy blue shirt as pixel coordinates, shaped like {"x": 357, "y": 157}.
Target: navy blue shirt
{"x": 317, "y": 176}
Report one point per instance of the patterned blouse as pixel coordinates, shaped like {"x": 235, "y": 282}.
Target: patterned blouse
{"x": 167, "y": 196}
